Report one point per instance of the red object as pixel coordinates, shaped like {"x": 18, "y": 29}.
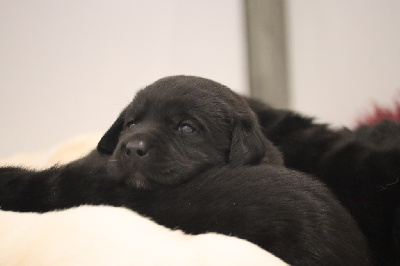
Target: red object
{"x": 380, "y": 113}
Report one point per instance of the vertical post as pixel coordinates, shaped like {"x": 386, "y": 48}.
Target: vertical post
{"x": 266, "y": 42}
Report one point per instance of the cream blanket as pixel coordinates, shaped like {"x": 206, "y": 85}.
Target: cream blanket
{"x": 101, "y": 235}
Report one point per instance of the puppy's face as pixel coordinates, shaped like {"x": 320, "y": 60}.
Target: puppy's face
{"x": 179, "y": 127}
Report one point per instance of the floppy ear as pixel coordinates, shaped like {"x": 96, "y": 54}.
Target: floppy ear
{"x": 249, "y": 146}
{"x": 109, "y": 141}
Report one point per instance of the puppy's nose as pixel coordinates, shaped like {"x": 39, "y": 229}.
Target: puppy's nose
{"x": 137, "y": 148}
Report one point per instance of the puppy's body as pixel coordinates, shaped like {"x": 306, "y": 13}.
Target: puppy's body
{"x": 299, "y": 221}
{"x": 189, "y": 153}
{"x": 361, "y": 167}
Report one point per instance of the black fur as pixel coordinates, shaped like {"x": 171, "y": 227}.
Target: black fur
{"x": 361, "y": 167}
{"x": 189, "y": 153}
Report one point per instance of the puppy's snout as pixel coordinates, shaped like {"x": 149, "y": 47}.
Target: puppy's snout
{"x": 136, "y": 148}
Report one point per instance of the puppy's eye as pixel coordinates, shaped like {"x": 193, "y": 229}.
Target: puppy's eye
{"x": 186, "y": 128}
{"x": 130, "y": 124}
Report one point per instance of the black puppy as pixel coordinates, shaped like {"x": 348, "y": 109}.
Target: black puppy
{"x": 383, "y": 135}
{"x": 180, "y": 126}
{"x": 361, "y": 167}
{"x": 189, "y": 153}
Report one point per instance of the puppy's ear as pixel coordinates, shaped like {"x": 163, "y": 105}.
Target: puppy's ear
{"x": 109, "y": 141}
{"x": 249, "y": 146}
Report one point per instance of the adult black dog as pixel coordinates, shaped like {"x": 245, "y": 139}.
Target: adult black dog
{"x": 189, "y": 153}
{"x": 361, "y": 167}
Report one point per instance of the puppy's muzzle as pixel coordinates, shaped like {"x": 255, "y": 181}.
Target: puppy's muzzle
{"x": 131, "y": 156}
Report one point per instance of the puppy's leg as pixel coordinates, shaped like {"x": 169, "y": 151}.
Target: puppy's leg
{"x": 57, "y": 188}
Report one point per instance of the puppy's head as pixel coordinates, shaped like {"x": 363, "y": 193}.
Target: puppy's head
{"x": 180, "y": 126}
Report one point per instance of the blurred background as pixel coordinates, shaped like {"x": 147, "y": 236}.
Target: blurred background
{"x": 70, "y": 67}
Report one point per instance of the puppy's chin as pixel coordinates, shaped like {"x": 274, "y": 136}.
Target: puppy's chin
{"x": 142, "y": 176}
{"x": 127, "y": 174}
{"x": 138, "y": 181}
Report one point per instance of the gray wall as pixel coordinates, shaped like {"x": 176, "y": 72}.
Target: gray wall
{"x": 68, "y": 67}
{"x": 343, "y": 56}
